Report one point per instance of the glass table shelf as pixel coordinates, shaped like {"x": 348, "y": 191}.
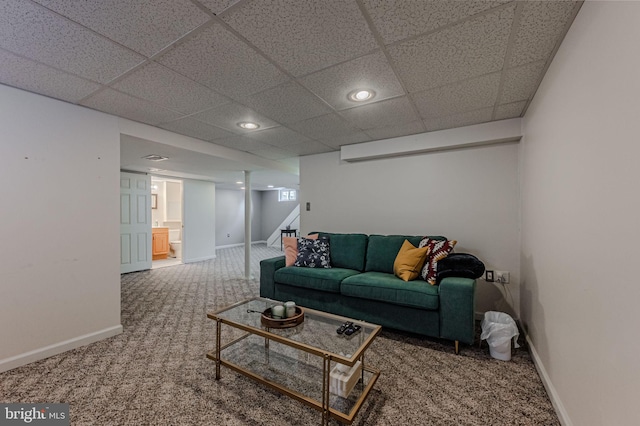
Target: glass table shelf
{"x": 295, "y": 361}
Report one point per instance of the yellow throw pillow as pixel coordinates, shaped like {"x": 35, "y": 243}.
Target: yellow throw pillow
{"x": 409, "y": 261}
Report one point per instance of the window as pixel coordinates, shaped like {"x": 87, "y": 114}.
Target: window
{"x": 287, "y": 195}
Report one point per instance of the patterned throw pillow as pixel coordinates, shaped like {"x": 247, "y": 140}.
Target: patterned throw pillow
{"x": 290, "y": 245}
{"x": 313, "y": 253}
{"x": 439, "y": 249}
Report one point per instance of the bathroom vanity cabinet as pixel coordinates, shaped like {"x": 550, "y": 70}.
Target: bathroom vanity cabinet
{"x": 160, "y": 245}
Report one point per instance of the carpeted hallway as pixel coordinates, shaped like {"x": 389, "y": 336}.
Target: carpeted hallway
{"x": 156, "y": 372}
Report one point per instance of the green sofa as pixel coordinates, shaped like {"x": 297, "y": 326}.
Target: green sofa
{"x": 360, "y": 284}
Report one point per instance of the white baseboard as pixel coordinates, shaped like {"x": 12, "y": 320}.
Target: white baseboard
{"x": 542, "y": 372}
{"x": 57, "y": 348}
{"x": 198, "y": 259}
{"x": 548, "y": 385}
{"x": 239, "y": 244}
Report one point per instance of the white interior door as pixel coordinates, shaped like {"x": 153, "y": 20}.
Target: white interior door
{"x": 135, "y": 222}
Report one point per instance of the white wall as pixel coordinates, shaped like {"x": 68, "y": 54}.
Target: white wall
{"x": 470, "y": 195}
{"x": 580, "y": 210}
{"x": 199, "y": 239}
{"x": 59, "y": 257}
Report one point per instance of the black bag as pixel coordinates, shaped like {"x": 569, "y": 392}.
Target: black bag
{"x": 459, "y": 265}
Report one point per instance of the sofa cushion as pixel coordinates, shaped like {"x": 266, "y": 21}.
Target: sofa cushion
{"x": 314, "y": 278}
{"x": 313, "y": 253}
{"x": 383, "y": 249}
{"x": 391, "y": 289}
{"x": 347, "y": 250}
{"x": 409, "y": 261}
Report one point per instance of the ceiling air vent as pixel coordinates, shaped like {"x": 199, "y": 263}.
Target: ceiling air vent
{"x": 155, "y": 157}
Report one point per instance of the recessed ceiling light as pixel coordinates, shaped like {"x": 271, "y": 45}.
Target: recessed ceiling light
{"x": 155, "y": 157}
{"x": 242, "y": 187}
{"x": 361, "y": 95}
{"x": 239, "y": 182}
{"x": 248, "y": 125}
{"x": 269, "y": 186}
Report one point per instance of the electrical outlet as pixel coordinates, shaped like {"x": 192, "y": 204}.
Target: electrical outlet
{"x": 228, "y": 235}
{"x": 502, "y": 277}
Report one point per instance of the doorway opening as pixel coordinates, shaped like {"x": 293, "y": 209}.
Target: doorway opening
{"x": 166, "y": 222}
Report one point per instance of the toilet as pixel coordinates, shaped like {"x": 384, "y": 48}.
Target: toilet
{"x": 175, "y": 244}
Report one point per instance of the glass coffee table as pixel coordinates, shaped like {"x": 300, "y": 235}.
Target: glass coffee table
{"x": 297, "y": 361}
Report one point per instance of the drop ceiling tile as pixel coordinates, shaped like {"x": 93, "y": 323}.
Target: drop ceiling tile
{"x": 123, "y": 105}
{"x": 146, "y": 26}
{"x": 370, "y": 72}
{"x": 542, "y": 24}
{"x": 458, "y": 97}
{"x": 63, "y": 44}
{"x": 228, "y": 116}
{"x": 511, "y": 110}
{"x": 459, "y": 120}
{"x": 196, "y": 129}
{"x": 219, "y": 60}
{"x": 287, "y": 103}
{"x": 218, "y": 6}
{"x": 472, "y": 48}
{"x": 338, "y": 141}
{"x": 381, "y": 114}
{"x": 241, "y": 143}
{"x": 397, "y": 20}
{"x": 310, "y": 148}
{"x": 397, "y": 130}
{"x": 272, "y": 153}
{"x": 278, "y": 136}
{"x": 326, "y": 126}
{"x": 167, "y": 88}
{"x": 34, "y": 77}
{"x": 522, "y": 82}
{"x": 304, "y": 36}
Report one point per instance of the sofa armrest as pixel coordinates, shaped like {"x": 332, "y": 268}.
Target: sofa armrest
{"x": 457, "y": 309}
{"x": 268, "y": 268}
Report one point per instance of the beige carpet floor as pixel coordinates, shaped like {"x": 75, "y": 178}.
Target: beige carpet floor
{"x": 156, "y": 372}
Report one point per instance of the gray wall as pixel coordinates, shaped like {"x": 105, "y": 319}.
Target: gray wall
{"x": 268, "y": 214}
{"x": 274, "y": 212}
{"x": 580, "y": 209}
{"x": 470, "y": 195}
{"x": 199, "y": 220}
{"x": 230, "y": 217}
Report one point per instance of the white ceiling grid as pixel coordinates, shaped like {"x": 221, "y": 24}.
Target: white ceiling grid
{"x": 200, "y": 67}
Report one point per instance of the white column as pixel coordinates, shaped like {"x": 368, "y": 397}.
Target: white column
{"x": 247, "y": 224}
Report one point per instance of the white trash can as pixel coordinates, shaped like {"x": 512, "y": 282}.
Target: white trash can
{"x": 501, "y": 352}
{"x": 498, "y": 329}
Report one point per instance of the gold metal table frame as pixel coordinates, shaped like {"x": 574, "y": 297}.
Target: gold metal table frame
{"x": 327, "y": 358}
